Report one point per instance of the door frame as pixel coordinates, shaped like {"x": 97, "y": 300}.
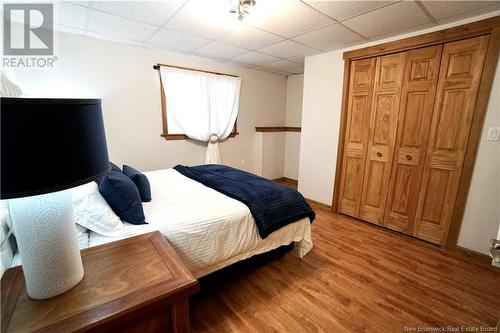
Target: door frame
{"x": 490, "y": 26}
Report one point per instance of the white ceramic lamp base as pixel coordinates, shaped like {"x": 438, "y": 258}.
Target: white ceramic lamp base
{"x": 46, "y": 238}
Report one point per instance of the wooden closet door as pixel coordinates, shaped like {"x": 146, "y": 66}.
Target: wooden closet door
{"x": 460, "y": 73}
{"x": 415, "y": 114}
{"x": 383, "y": 124}
{"x": 356, "y": 135}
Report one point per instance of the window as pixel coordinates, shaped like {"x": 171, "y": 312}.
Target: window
{"x": 191, "y": 103}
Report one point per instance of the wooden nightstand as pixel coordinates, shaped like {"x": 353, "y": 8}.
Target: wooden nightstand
{"x": 137, "y": 284}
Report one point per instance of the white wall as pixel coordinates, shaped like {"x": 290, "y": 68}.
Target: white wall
{"x": 481, "y": 220}
{"x": 320, "y": 125}
{"x": 320, "y": 131}
{"x": 123, "y": 77}
{"x": 273, "y": 154}
{"x": 294, "y": 91}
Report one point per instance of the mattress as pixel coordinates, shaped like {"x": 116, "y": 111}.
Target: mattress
{"x": 208, "y": 229}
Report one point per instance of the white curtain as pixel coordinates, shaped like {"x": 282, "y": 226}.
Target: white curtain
{"x": 204, "y": 106}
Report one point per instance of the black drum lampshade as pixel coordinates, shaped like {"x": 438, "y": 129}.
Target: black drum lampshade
{"x": 49, "y": 145}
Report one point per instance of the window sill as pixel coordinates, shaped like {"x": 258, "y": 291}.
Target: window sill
{"x": 170, "y": 137}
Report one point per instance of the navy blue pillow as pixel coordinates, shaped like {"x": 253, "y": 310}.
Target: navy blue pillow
{"x": 115, "y": 167}
{"x": 122, "y": 196}
{"x": 140, "y": 180}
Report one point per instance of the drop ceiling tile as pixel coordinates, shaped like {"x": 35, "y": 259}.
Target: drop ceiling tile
{"x": 255, "y": 58}
{"x": 268, "y": 70}
{"x": 220, "y": 51}
{"x": 62, "y": 28}
{"x": 286, "y": 18}
{"x": 480, "y": 11}
{"x": 287, "y": 49}
{"x": 389, "y": 19}
{"x": 443, "y": 9}
{"x": 152, "y": 12}
{"x": 237, "y": 64}
{"x": 329, "y": 38}
{"x": 119, "y": 27}
{"x": 113, "y": 38}
{"x": 250, "y": 38}
{"x": 71, "y": 15}
{"x": 281, "y": 65}
{"x": 65, "y": 14}
{"x": 193, "y": 57}
{"x": 206, "y": 57}
{"x": 177, "y": 40}
{"x": 185, "y": 54}
{"x": 297, "y": 70}
{"x": 208, "y": 19}
{"x": 80, "y": 3}
{"x": 341, "y": 10}
{"x": 298, "y": 60}
{"x": 163, "y": 48}
{"x": 419, "y": 27}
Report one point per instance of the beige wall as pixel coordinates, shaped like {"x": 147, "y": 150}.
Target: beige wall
{"x": 320, "y": 130}
{"x": 279, "y": 155}
{"x": 294, "y": 90}
{"x": 123, "y": 77}
{"x": 292, "y": 155}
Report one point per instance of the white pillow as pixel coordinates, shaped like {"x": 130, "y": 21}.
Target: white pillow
{"x": 6, "y": 250}
{"x": 5, "y": 221}
{"x": 82, "y": 236}
{"x": 93, "y": 212}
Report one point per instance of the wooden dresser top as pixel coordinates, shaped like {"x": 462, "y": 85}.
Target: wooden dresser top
{"x": 120, "y": 277}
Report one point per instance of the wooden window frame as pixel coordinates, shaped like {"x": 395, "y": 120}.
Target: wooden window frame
{"x": 167, "y": 136}
{"x": 491, "y": 27}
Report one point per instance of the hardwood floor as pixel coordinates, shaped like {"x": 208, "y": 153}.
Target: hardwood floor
{"x": 357, "y": 278}
{"x": 292, "y": 183}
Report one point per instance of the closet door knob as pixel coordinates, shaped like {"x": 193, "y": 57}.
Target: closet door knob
{"x": 408, "y": 157}
{"x": 379, "y": 154}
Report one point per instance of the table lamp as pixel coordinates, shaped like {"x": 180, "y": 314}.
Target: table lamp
{"x": 47, "y": 147}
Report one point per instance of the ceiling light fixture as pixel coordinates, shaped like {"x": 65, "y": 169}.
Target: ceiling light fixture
{"x": 241, "y": 7}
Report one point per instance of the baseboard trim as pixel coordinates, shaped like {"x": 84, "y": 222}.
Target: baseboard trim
{"x": 318, "y": 205}
{"x": 286, "y": 179}
{"x": 473, "y": 254}
{"x": 313, "y": 203}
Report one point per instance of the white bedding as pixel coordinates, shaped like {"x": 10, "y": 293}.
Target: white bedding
{"x": 208, "y": 229}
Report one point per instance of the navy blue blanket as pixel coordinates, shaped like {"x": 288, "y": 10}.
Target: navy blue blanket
{"x": 272, "y": 205}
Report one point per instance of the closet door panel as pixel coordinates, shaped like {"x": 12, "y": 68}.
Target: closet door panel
{"x": 383, "y": 124}
{"x": 417, "y": 102}
{"x": 356, "y": 136}
{"x": 372, "y": 192}
{"x": 460, "y": 73}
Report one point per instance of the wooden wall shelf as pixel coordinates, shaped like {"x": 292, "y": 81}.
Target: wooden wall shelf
{"x": 278, "y": 129}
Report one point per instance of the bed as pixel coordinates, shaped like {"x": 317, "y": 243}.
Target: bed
{"x": 208, "y": 229}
